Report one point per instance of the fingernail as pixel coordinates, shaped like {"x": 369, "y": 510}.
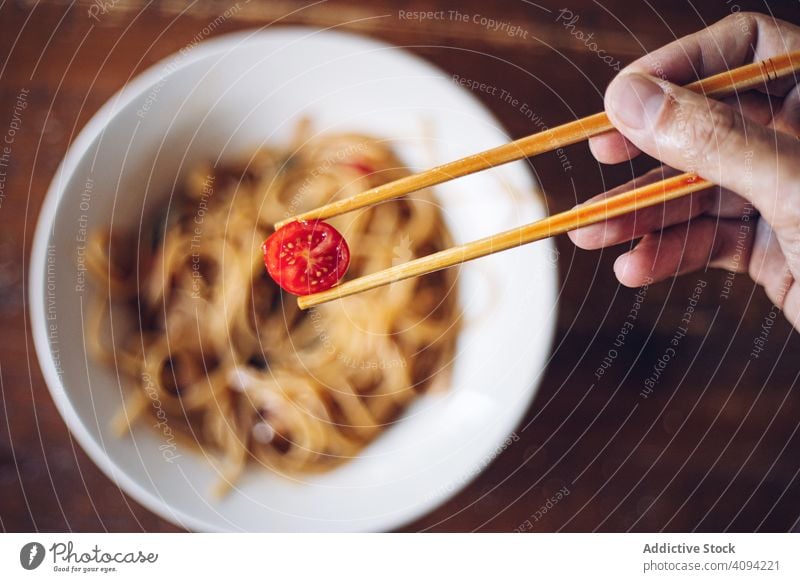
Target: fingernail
{"x": 621, "y": 267}
{"x": 636, "y": 100}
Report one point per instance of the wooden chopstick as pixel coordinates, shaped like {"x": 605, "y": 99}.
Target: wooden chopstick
{"x": 743, "y": 78}
{"x": 739, "y": 79}
{"x": 577, "y": 217}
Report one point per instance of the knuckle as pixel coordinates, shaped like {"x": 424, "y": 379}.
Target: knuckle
{"x": 776, "y": 290}
{"x": 672, "y": 243}
{"x": 787, "y": 218}
{"x": 746, "y": 22}
{"x": 704, "y": 202}
{"x": 790, "y": 246}
{"x": 705, "y": 132}
{"x": 696, "y": 128}
{"x": 739, "y": 15}
{"x": 751, "y": 17}
{"x": 755, "y": 269}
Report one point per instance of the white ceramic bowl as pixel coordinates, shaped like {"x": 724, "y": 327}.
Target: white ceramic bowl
{"x": 227, "y": 96}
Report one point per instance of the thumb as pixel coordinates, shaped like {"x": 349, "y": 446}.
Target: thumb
{"x": 687, "y": 131}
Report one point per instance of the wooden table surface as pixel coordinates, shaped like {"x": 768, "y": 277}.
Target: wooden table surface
{"x": 713, "y": 448}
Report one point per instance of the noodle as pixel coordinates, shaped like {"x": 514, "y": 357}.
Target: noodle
{"x": 235, "y": 366}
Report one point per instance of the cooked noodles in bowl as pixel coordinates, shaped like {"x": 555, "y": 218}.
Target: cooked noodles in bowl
{"x": 230, "y": 360}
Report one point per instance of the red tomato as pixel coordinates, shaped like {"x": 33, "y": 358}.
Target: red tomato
{"x": 306, "y": 257}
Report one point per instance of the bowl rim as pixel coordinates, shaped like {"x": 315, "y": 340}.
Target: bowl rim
{"x": 134, "y": 88}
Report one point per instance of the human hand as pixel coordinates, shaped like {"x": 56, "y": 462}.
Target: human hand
{"x": 747, "y": 144}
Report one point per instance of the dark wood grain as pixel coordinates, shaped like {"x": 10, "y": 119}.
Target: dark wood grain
{"x": 714, "y": 447}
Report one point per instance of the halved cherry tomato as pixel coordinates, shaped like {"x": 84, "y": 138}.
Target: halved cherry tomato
{"x": 306, "y": 257}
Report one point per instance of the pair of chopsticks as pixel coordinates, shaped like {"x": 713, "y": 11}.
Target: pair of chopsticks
{"x": 725, "y": 83}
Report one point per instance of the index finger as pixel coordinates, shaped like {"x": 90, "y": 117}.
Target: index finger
{"x": 734, "y": 41}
